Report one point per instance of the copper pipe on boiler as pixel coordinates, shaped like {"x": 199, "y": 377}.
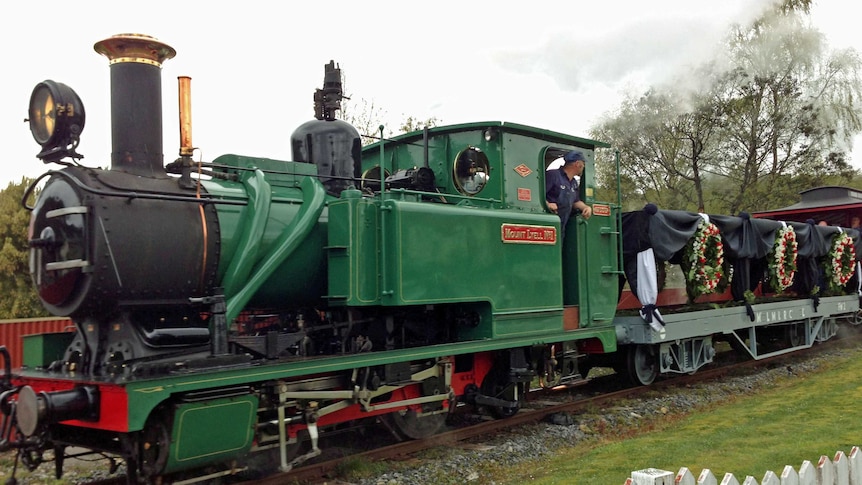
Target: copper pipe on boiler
{"x": 185, "y": 98}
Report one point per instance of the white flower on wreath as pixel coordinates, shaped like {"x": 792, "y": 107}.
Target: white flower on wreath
{"x": 705, "y": 260}
{"x": 782, "y": 264}
{"x": 841, "y": 260}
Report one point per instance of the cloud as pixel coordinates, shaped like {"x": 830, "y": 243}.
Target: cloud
{"x": 652, "y": 49}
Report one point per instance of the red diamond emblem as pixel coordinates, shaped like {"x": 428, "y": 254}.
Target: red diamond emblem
{"x": 523, "y": 170}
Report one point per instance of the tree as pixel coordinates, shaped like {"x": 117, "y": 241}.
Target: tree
{"x": 18, "y": 299}
{"x": 790, "y": 108}
{"x": 367, "y": 118}
{"x": 668, "y": 144}
{"x": 413, "y": 124}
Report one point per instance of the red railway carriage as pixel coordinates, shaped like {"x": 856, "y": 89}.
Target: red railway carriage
{"x": 833, "y": 204}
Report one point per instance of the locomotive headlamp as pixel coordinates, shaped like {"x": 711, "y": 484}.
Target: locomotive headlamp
{"x": 56, "y": 118}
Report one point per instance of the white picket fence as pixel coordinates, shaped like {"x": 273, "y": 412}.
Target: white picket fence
{"x": 842, "y": 470}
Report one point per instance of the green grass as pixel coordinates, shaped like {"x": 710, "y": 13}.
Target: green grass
{"x": 798, "y": 418}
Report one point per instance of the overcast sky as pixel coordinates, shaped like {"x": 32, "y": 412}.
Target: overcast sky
{"x": 255, "y": 65}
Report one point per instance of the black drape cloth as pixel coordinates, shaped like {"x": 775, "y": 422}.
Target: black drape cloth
{"x": 747, "y": 241}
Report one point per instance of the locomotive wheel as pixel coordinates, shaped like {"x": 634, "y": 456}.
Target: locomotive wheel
{"x": 508, "y": 393}
{"x": 267, "y": 462}
{"x": 642, "y": 364}
{"x": 496, "y": 385}
{"x": 155, "y": 445}
{"x": 408, "y": 425}
{"x": 584, "y": 367}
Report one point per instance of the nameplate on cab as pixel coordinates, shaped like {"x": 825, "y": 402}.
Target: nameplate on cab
{"x": 524, "y": 234}
{"x": 601, "y": 210}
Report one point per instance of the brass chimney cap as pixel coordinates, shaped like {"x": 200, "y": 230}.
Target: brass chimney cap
{"x": 135, "y": 48}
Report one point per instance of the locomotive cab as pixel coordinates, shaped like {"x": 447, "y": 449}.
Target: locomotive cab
{"x": 492, "y": 175}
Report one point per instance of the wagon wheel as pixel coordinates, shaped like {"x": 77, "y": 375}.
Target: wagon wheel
{"x": 828, "y": 330}
{"x": 642, "y": 364}
{"x": 409, "y": 425}
{"x": 794, "y": 335}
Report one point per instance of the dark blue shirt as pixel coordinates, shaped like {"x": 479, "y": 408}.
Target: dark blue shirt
{"x": 557, "y": 182}
{"x": 563, "y": 192}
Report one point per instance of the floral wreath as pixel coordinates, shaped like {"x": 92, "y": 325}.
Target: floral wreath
{"x": 703, "y": 261}
{"x": 782, "y": 259}
{"x": 841, "y": 261}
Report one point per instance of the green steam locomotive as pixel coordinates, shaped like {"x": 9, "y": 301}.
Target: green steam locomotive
{"x": 246, "y": 305}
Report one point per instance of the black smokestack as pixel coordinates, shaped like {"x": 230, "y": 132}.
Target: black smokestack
{"x": 136, "y": 102}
